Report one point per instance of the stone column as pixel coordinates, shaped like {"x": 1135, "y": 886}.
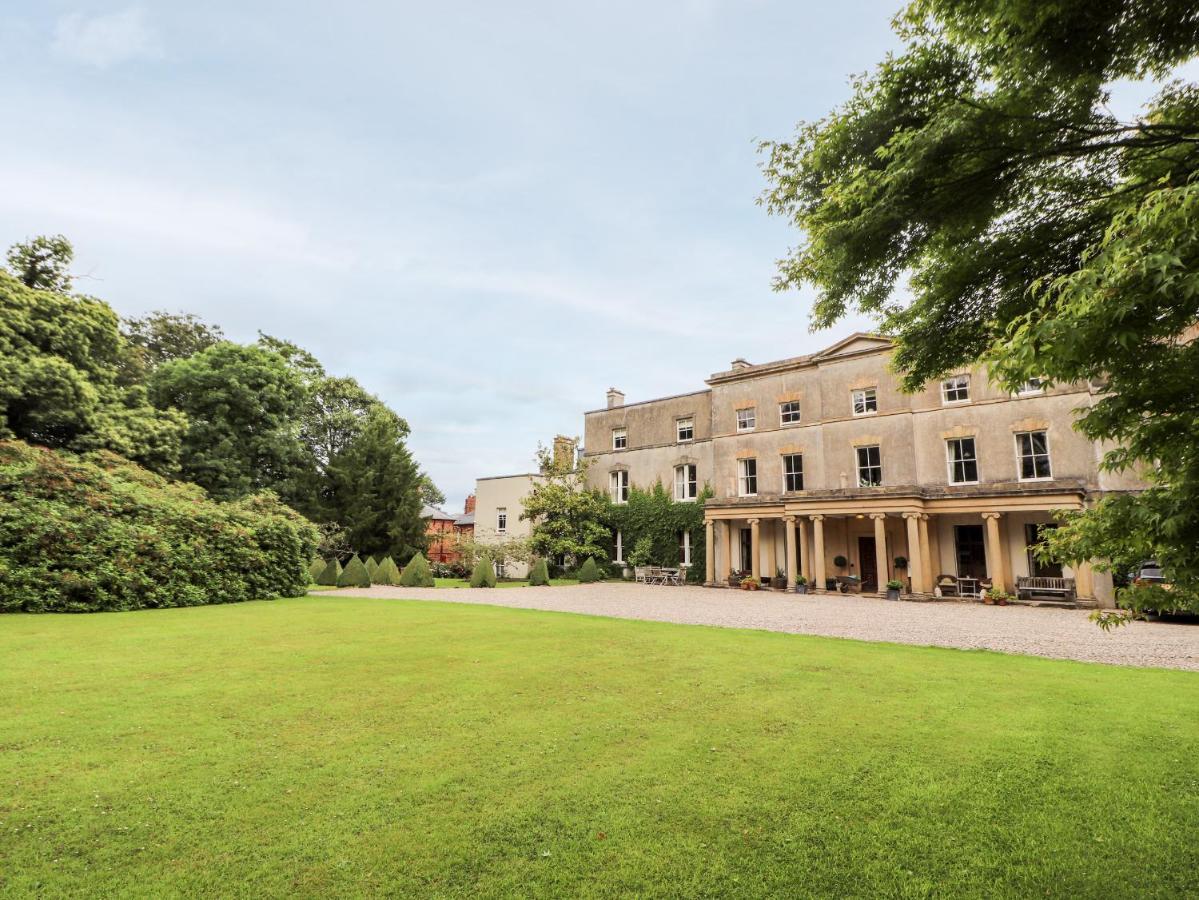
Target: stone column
{"x": 926, "y": 556}
{"x": 1084, "y": 580}
{"x": 770, "y": 538}
{"x": 729, "y": 532}
{"x": 755, "y": 549}
{"x": 915, "y": 553}
{"x": 789, "y": 534}
{"x": 805, "y": 558}
{"x": 709, "y": 552}
{"x": 818, "y": 551}
{"x": 880, "y": 550}
{"x": 995, "y": 552}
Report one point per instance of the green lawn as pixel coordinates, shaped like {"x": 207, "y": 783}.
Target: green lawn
{"x": 336, "y": 746}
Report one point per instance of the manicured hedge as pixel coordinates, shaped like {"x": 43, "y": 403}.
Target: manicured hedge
{"x": 355, "y": 574}
{"x": 540, "y": 575}
{"x": 97, "y": 532}
{"x": 417, "y": 573}
{"x": 483, "y": 574}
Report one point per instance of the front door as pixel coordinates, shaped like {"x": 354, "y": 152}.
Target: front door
{"x": 747, "y": 550}
{"x": 971, "y": 551}
{"x": 868, "y": 564}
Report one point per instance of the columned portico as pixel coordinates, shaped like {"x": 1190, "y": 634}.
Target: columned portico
{"x": 710, "y": 552}
{"x": 880, "y": 550}
{"x": 790, "y": 551}
{"x": 818, "y": 551}
{"x": 995, "y": 554}
{"x": 755, "y": 551}
{"x": 917, "y": 552}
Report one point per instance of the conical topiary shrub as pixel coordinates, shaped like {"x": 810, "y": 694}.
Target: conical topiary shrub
{"x": 483, "y": 574}
{"x": 354, "y": 574}
{"x": 540, "y": 576}
{"x": 386, "y": 573}
{"x": 416, "y": 573}
{"x": 330, "y": 574}
{"x": 588, "y": 572}
{"x": 371, "y": 568}
{"x": 314, "y": 570}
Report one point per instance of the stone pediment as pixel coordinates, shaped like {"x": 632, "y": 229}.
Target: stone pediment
{"x": 855, "y": 343}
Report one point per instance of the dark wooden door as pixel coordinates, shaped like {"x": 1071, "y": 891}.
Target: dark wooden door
{"x": 971, "y": 551}
{"x": 869, "y": 563}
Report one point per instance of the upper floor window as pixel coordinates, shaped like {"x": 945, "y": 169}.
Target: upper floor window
{"x": 955, "y": 389}
{"x": 865, "y": 401}
{"x": 1033, "y": 386}
{"x": 747, "y": 477}
{"x": 789, "y": 413}
{"x": 618, "y": 486}
{"x": 870, "y": 466}
{"x": 1032, "y": 452}
{"x": 963, "y": 462}
{"x": 620, "y": 438}
{"x": 684, "y": 429}
{"x": 792, "y": 472}
{"x": 746, "y": 419}
{"x": 686, "y": 484}
{"x": 501, "y": 520}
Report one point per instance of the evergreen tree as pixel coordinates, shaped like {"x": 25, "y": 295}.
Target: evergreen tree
{"x": 330, "y": 574}
{"x": 483, "y": 574}
{"x": 375, "y": 488}
{"x": 588, "y": 572}
{"x": 315, "y": 568}
{"x": 540, "y": 576}
{"x": 354, "y": 574}
{"x": 387, "y": 572}
{"x": 372, "y": 568}
{"x": 416, "y": 573}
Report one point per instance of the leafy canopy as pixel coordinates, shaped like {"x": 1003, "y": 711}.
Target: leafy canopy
{"x": 977, "y": 196}
{"x": 567, "y": 516}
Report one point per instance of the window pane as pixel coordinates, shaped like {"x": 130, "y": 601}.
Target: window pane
{"x": 789, "y": 412}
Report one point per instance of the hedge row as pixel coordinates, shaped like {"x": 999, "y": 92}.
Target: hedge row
{"x": 83, "y": 534}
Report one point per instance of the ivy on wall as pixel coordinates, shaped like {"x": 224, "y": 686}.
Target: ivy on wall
{"x": 655, "y": 514}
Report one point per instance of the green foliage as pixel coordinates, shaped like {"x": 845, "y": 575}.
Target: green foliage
{"x": 315, "y": 568}
{"x": 539, "y": 576}
{"x": 567, "y": 517}
{"x": 387, "y": 572}
{"x": 483, "y": 575}
{"x": 653, "y": 522}
{"x": 241, "y": 403}
{"x": 1039, "y": 232}
{"x": 429, "y": 492}
{"x": 588, "y": 572}
{"x": 60, "y": 382}
{"x": 160, "y": 337}
{"x": 331, "y": 573}
{"x": 895, "y": 585}
{"x": 416, "y": 573}
{"x": 43, "y": 263}
{"x": 82, "y": 534}
{"x": 643, "y": 551}
{"x": 355, "y": 574}
{"x": 372, "y": 568}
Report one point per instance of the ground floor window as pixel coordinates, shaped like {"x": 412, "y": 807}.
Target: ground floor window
{"x": 619, "y": 557}
{"x": 1034, "y": 536}
{"x": 685, "y": 547}
{"x": 747, "y": 550}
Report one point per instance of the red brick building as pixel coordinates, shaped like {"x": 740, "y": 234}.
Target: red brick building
{"x": 443, "y": 531}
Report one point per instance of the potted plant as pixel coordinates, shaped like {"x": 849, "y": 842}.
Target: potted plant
{"x": 996, "y": 597}
{"x": 801, "y": 585}
{"x": 748, "y": 583}
{"x": 840, "y": 561}
{"x": 779, "y": 581}
{"x": 901, "y": 562}
{"x": 734, "y": 578}
{"x": 894, "y": 586}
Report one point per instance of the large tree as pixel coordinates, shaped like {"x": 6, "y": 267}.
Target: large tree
{"x": 61, "y": 358}
{"x": 977, "y": 196}
{"x": 159, "y": 337}
{"x": 43, "y": 262}
{"x": 243, "y": 406}
{"x": 567, "y": 517}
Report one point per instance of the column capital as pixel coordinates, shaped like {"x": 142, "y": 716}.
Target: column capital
{"x": 788, "y": 518}
{"x": 913, "y": 515}
{"x": 991, "y": 515}
{"x": 924, "y": 517}
{"x": 816, "y": 518}
{"x": 753, "y": 521}
{"x": 877, "y": 516}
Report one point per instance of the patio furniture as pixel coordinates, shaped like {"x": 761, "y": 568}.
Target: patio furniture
{"x": 849, "y": 583}
{"x": 640, "y": 574}
{"x": 948, "y": 585}
{"x": 968, "y": 587}
{"x": 1027, "y": 586}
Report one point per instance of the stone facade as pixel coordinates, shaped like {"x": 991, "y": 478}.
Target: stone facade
{"x": 965, "y": 472}
{"x": 499, "y": 501}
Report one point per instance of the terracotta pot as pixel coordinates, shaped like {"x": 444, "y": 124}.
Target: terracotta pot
{"x": 745, "y": 585}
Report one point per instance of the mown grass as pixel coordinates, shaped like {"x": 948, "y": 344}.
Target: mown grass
{"x": 337, "y": 746}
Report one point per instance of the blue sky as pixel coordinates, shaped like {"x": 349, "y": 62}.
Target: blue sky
{"x": 486, "y": 212}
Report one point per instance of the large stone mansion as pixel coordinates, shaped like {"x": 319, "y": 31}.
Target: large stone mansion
{"x": 820, "y": 465}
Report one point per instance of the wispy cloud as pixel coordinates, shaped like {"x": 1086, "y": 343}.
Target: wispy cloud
{"x": 105, "y": 40}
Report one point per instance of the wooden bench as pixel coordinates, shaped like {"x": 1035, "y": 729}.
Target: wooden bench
{"x": 1028, "y": 585}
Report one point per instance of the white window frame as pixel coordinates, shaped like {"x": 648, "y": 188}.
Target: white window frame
{"x": 785, "y": 457}
{"x": 501, "y": 520}
{"x": 858, "y": 464}
{"x": 686, "y": 561}
{"x": 783, "y": 421}
{"x": 619, "y": 549}
{"x": 1031, "y": 388}
{"x": 622, "y": 435}
{"x": 678, "y": 429}
{"x": 955, "y": 383}
{"x": 866, "y": 396}
{"x": 1020, "y": 456}
{"x": 950, "y": 461}
{"x": 686, "y": 488}
{"x": 745, "y": 477}
{"x": 749, "y": 421}
{"x": 618, "y": 486}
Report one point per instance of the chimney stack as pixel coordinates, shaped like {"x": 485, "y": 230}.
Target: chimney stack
{"x": 469, "y": 506}
{"x": 615, "y": 398}
{"x": 564, "y": 453}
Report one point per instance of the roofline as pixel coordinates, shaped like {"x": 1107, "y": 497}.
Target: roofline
{"x": 795, "y": 362}
{"x": 501, "y": 477}
{"x": 592, "y": 412}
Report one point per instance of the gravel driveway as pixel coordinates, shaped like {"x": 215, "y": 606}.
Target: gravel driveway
{"x": 1056, "y": 633}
